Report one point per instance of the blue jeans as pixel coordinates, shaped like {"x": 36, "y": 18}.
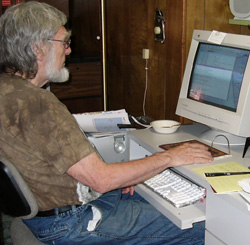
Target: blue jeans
{"x": 125, "y": 220}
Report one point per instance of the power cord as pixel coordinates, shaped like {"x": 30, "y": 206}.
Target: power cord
{"x": 144, "y": 125}
{"x": 146, "y": 87}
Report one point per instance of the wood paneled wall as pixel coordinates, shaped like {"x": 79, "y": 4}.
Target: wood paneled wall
{"x": 130, "y": 29}
{"x": 130, "y": 25}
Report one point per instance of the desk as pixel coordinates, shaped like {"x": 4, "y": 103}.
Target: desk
{"x": 226, "y": 216}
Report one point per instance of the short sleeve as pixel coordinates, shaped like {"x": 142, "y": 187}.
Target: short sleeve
{"x": 57, "y": 134}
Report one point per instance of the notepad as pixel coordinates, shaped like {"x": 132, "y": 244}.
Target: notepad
{"x": 217, "y": 154}
{"x": 224, "y": 184}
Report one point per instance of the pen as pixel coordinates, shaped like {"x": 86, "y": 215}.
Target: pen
{"x": 225, "y": 174}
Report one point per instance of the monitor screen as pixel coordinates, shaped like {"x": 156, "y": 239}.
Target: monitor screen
{"x": 217, "y": 75}
{"x": 215, "y": 90}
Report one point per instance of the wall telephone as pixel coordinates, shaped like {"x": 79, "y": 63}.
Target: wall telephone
{"x": 159, "y": 29}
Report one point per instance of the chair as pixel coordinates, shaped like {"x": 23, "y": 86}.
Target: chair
{"x": 17, "y": 200}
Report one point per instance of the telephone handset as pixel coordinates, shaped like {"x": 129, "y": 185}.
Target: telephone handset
{"x": 159, "y": 29}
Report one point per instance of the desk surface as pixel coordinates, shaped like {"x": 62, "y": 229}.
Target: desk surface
{"x": 185, "y": 217}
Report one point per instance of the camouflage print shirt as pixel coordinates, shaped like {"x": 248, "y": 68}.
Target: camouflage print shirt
{"x": 42, "y": 139}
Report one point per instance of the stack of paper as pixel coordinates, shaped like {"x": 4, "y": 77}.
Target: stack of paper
{"x": 104, "y": 122}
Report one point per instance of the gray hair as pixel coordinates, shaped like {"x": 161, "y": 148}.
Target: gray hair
{"x": 24, "y": 27}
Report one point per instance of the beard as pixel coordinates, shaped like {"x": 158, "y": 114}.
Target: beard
{"x": 53, "y": 74}
{"x": 59, "y": 76}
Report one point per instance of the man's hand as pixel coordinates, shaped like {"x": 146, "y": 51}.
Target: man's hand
{"x": 130, "y": 190}
{"x": 189, "y": 153}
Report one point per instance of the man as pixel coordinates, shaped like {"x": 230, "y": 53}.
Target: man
{"x": 81, "y": 199}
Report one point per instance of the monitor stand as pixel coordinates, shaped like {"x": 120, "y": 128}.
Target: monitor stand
{"x": 219, "y": 137}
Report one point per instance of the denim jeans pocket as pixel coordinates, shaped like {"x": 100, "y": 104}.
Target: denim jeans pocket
{"x": 52, "y": 234}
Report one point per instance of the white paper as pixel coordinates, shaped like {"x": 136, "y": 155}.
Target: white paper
{"x": 246, "y": 197}
{"x": 217, "y": 37}
{"x": 245, "y": 184}
{"x": 102, "y": 121}
{"x": 96, "y": 217}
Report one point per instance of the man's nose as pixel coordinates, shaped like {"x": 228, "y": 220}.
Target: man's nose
{"x": 68, "y": 51}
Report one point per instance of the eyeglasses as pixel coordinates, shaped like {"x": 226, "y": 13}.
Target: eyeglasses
{"x": 65, "y": 43}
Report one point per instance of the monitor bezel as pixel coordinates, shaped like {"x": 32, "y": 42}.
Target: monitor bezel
{"x": 221, "y": 118}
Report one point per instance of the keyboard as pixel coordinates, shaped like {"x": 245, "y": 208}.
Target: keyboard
{"x": 176, "y": 189}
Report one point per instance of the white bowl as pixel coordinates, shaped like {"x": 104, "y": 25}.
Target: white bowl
{"x": 165, "y": 126}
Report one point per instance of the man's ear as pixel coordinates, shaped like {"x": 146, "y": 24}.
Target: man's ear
{"x": 40, "y": 51}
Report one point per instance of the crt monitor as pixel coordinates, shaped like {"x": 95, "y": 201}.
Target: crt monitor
{"x": 215, "y": 89}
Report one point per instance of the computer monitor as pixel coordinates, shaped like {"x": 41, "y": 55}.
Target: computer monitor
{"x": 215, "y": 89}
